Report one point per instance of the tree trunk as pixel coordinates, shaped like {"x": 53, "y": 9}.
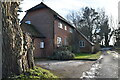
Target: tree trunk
{"x": 0, "y": 42}
{"x": 16, "y": 45}
{"x": 106, "y": 40}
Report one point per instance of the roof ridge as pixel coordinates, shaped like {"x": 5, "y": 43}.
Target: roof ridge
{"x": 55, "y": 13}
{"x": 59, "y": 16}
{"x": 37, "y": 6}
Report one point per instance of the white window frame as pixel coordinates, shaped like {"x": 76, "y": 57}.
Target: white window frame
{"x": 71, "y": 30}
{"x": 65, "y": 27}
{"x": 42, "y": 45}
{"x": 59, "y": 41}
{"x": 28, "y": 22}
{"x": 81, "y": 43}
{"x": 65, "y": 41}
{"x": 60, "y": 25}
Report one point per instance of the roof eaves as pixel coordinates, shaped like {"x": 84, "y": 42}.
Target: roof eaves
{"x": 61, "y": 18}
{"x": 55, "y": 13}
{"x": 85, "y": 38}
{"x": 31, "y": 30}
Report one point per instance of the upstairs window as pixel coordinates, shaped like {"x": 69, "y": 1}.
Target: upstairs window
{"x": 60, "y": 25}
{"x": 65, "y": 27}
{"x": 28, "y": 22}
{"x": 82, "y": 43}
{"x": 71, "y": 30}
{"x": 59, "y": 41}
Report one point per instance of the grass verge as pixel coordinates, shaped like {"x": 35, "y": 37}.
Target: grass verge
{"x": 37, "y": 74}
{"x": 87, "y": 55}
{"x": 118, "y": 50}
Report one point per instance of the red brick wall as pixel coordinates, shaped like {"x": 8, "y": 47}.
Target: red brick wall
{"x": 37, "y": 50}
{"x": 58, "y": 32}
{"x": 75, "y": 35}
{"x": 88, "y": 47}
{"x": 43, "y": 21}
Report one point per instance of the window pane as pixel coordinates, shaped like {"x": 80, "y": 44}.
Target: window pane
{"x": 59, "y": 41}
{"x": 82, "y": 43}
{"x": 65, "y": 41}
{"x": 65, "y": 27}
{"x": 71, "y": 30}
{"x": 60, "y": 25}
{"x": 28, "y": 22}
{"x": 41, "y": 44}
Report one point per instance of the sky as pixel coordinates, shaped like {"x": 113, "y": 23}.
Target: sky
{"x": 63, "y": 7}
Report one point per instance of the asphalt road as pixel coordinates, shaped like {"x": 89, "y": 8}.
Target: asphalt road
{"x": 106, "y": 67}
{"x": 66, "y": 69}
{"x": 109, "y": 65}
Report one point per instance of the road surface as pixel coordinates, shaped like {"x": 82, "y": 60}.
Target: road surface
{"x": 105, "y": 67}
{"x": 66, "y": 69}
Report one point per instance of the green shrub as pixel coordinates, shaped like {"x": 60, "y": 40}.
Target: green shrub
{"x": 65, "y": 48}
{"x": 62, "y": 55}
{"x": 35, "y": 74}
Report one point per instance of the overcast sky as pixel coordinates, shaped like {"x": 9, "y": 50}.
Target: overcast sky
{"x": 63, "y": 7}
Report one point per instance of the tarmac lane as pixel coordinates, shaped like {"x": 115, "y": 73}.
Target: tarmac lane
{"x": 66, "y": 69}
{"x": 108, "y": 67}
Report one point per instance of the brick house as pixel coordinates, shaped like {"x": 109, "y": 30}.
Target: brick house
{"x": 51, "y": 31}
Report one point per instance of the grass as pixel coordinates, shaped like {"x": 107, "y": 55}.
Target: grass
{"x": 40, "y": 59}
{"x": 87, "y": 55}
{"x": 36, "y": 74}
{"x": 118, "y": 50}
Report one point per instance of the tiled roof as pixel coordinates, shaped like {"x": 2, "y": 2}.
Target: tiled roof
{"x": 31, "y": 30}
{"x": 39, "y": 6}
{"x": 85, "y": 37}
{"x": 56, "y": 15}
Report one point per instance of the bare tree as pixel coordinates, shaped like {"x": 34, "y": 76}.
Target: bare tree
{"x": 84, "y": 20}
{"x": 93, "y": 24}
{"x": 74, "y": 18}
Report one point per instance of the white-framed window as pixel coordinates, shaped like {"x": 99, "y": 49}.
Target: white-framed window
{"x": 65, "y": 41}
{"x": 65, "y": 27}
{"x": 59, "y": 41}
{"x": 71, "y": 30}
{"x": 60, "y": 25}
{"x": 28, "y": 22}
{"x": 82, "y": 43}
{"x": 42, "y": 44}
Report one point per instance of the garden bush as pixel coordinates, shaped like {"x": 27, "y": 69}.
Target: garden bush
{"x": 65, "y": 48}
{"x": 63, "y": 55}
